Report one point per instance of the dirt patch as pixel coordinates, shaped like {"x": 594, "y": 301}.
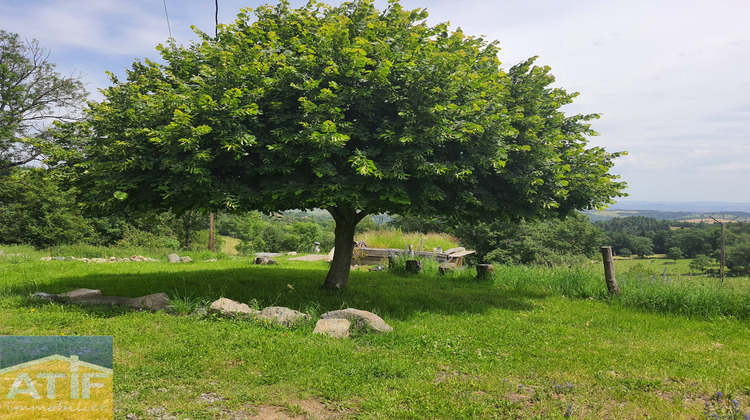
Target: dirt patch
{"x": 312, "y": 257}
{"x": 298, "y": 410}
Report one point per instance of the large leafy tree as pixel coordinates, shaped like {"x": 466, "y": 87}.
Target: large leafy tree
{"x": 348, "y": 109}
{"x": 32, "y": 95}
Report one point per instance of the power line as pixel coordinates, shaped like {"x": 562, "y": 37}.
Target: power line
{"x": 167, "y": 15}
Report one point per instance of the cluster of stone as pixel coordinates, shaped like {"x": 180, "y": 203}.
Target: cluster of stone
{"x": 274, "y": 314}
{"x": 174, "y": 258}
{"x": 335, "y": 323}
{"x": 136, "y": 258}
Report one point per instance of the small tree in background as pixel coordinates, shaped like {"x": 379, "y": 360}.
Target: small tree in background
{"x": 642, "y": 246}
{"x": 348, "y": 109}
{"x": 674, "y": 253}
{"x": 700, "y": 263}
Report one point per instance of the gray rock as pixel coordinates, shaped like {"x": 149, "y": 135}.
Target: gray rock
{"x": 2, "y": 252}
{"x": 152, "y": 302}
{"x": 173, "y": 258}
{"x": 337, "y": 328}
{"x": 58, "y": 258}
{"x": 46, "y": 258}
{"x": 229, "y": 307}
{"x": 282, "y": 316}
{"x": 186, "y": 260}
{"x": 265, "y": 261}
{"x": 360, "y": 319}
{"x": 80, "y": 294}
{"x": 42, "y": 295}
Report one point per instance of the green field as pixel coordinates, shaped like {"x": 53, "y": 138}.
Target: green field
{"x": 531, "y": 343}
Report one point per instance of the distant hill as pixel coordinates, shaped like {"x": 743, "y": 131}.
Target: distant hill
{"x": 696, "y": 211}
{"x": 688, "y": 206}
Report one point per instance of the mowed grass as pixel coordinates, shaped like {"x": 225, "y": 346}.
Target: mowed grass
{"x": 531, "y": 343}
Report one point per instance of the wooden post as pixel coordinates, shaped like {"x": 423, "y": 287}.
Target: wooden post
{"x": 485, "y": 270}
{"x": 723, "y": 260}
{"x": 609, "y": 270}
{"x": 413, "y": 266}
{"x": 211, "y": 244}
{"x": 446, "y": 268}
{"x": 723, "y": 257}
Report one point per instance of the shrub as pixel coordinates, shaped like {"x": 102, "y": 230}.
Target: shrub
{"x": 136, "y": 238}
{"x": 35, "y": 211}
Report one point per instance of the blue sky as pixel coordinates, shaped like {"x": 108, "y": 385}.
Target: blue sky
{"x": 671, "y": 78}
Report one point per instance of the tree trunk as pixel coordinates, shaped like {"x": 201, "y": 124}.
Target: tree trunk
{"x": 346, "y": 219}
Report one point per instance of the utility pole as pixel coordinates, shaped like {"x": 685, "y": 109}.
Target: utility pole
{"x": 211, "y": 242}
{"x": 723, "y": 259}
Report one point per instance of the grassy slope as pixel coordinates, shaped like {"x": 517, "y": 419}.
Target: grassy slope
{"x": 461, "y": 349}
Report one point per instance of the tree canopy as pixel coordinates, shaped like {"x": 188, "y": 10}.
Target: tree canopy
{"x": 32, "y": 94}
{"x": 348, "y": 109}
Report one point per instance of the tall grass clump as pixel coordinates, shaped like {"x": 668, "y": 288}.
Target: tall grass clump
{"x": 639, "y": 288}
{"x": 397, "y": 239}
{"x": 18, "y": 253}
{"x": 579, "y": 282}
{"x": 692, "y": 297}
{"x": 91, "y": 251}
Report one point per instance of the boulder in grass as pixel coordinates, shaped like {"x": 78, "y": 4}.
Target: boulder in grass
{"x": 152, "y": 302}
{"x": 186, "y": 260}
{"x": 230, "y": 308}
{"x": 360, "y": 319}
{"x": 79, "y": 294}
{"x": 263, "y": 260}
{"x": 336, "y": 328}
{"x": 282, "y": 316}
{"x": 173, "y": 258}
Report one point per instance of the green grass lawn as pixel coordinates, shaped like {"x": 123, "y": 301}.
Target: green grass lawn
{"x": 532, "y": 343}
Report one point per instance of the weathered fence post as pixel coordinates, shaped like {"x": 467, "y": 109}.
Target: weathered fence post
{"x": 609, "y": 270}
{"x": 485, "y": 270}
{"x": 413, "y": 266}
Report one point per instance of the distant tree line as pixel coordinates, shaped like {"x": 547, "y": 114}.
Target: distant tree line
{"x": 644, "y": 236}
{"x": 39, "y": 209}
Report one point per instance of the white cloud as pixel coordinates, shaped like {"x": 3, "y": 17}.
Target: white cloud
{"x": 732, "y": 166}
